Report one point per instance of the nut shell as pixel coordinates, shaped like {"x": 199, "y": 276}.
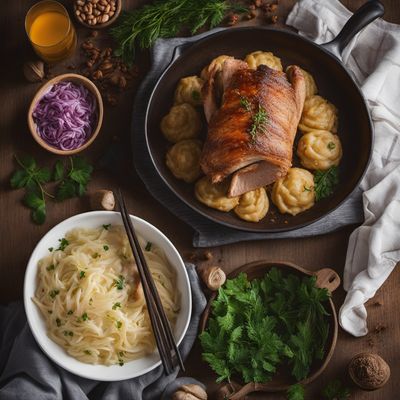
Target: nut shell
{"x": 369, "y": 371}
{"x": 34, "y": 71}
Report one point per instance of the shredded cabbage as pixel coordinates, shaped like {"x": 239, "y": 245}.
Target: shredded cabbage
{"x": 66, "y": 115}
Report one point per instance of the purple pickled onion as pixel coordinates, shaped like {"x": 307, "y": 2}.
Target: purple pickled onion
{"x": 65, "y": 116}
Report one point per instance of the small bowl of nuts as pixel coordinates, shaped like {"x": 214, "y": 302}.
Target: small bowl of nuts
{"x": 97, "y": 14}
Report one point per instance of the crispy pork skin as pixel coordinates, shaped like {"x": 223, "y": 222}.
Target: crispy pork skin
{"x": 267, "y": 154}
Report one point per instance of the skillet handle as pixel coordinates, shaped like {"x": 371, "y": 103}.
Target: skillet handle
{"x": 327, "y": 279}
{"x": 367, "y": 13}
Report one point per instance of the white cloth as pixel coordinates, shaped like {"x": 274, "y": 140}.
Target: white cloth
{"x": 373, "y": 57}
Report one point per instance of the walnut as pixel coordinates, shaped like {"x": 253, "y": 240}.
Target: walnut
{"x": 213, "y": 277}
{"x": 190, "y": 392}
{"x": 369, "y": 371}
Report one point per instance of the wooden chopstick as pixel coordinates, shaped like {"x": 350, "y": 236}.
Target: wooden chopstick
{"x": 168, "y": 349}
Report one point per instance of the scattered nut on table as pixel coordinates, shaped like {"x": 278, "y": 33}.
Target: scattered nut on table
{"x": 213, "y": 276}
{"x": 95, "y": 12}
{"x": 34, "y": 71}
{"x": 102, "y": 200}
{"x": 190, "y": 392}
{"x": 369, "y": 371}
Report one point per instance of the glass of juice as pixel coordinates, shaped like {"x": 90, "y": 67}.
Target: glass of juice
{"x": 50, "y": 31}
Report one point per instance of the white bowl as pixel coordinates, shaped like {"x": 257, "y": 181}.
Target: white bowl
{"x": 37, "y": 324}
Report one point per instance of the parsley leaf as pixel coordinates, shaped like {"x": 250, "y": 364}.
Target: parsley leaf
{"x": 33, "y": 178}
{"x": 85, "y": 317}
{"x": 75, "y": 180}
{"x": 120, "y": 283}
{"x": 116, "y": 305}
{"x": 257, "y": 326}
{"x": 58, "y": 170}
{"x": 335, "y": 391}
{"x": 63, "y": 244}
{"x": 148, "y": 246}
{"x": 295, "y": 392}
{"x": 106, "y": 227}
{"x": 53, "y": 293}
{"x": 82, "y": 274}
{"x": 325, "y": 182}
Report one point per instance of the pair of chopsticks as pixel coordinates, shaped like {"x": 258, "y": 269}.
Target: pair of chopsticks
{"x": 166, "y": 345}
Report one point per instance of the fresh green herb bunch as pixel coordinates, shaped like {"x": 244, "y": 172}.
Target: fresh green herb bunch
{"x": 71, "y": 181}
{"x": 165, "y": 19}
{"x": 325, "y": 182}
{"x": 256, "y": 326}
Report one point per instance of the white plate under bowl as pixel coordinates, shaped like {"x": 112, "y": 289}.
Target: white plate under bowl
{"x": 37, "y": 324}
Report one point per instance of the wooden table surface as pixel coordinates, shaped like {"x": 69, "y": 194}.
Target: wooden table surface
{"x": 18, "y": 235}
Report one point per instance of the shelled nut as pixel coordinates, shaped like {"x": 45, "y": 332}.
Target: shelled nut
{"x": 95, "y": 12}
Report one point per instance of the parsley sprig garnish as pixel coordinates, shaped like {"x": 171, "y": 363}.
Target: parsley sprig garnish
{"x": 295, "y": 392}
{"x": 164, "y": 19}
{"x": 257, "y": 326}
{"x": 70, "y": 182}
{"x": 325, "y": 182}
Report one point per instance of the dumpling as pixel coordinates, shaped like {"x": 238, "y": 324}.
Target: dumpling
{"x": 318, "y": 114}
{"x": 263, "y": 58}
{"x": 214, "y": 195}
{"x": 182, "y": 122}
{"x": 253, "y": 206}
{"x": 319, "y": 150}
{"x": 311, "y": 87}
{"x": 189, "y": 91}
{"x": 214, "y": 64}
{"x": 183, "y": 159}
{"x": 294, "y": 193}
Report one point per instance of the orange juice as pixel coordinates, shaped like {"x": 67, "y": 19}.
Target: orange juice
{"x": 50, "y": 31}
{"x": 49, "y": 28}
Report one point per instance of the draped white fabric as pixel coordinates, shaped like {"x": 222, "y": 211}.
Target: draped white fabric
{"x": 373, "y": 57}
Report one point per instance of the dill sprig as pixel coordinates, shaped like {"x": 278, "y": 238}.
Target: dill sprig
{"x": 258, "y": 122}
{"x": 165, "y": 19}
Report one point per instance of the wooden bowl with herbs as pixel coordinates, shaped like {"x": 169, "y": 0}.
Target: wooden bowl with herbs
{"x": 66, "y": 114}
{"x": 270, "y": 326}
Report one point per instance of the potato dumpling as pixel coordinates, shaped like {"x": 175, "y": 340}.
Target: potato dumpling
{"x": 263, "y": 58}
{"x": 319, "y": 150}
{"x": 183, "y": 159}
{"x": 318, "y": 114}
{"x": 214, "y": 64}
{"x": 214, "y": 195}
{"x": 295, "y": 192}
{"x": 189, "y": 91}
{"x": 253, "y": 206}
{"x": 182, "y": 122}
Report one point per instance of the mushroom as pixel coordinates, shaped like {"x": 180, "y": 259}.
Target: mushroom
{"x": 213, "y": 277}
{"x": 190, "y": 392}
{"x": 102, "y": 200}
{"x": 369, "y": 371}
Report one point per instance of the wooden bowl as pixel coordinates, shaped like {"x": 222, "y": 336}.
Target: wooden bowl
{"x": 118, "y": 7}
{"x": 79, "y": 79}
{"x": 326, "y": 278}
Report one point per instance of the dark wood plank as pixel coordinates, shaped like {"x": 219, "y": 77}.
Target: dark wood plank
{"x": 18, "y": 235}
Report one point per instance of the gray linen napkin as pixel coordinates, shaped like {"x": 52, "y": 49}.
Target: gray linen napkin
{"x": 208, "y": 233}
{"x": 26, "y": 373}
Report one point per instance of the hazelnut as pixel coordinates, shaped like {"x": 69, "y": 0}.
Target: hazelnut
{"x": 102, "y": 200}
{"x": 369, "y": 371}
{"x": 190, "y": 392}
{"x": 34, "y": 71}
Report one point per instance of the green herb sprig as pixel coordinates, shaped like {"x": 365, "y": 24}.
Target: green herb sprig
{"x": 165, "y": 19}
{"x": 295, "y": 392}
{"x": 70, "y": 182}
{"x": 256, "y": 326}
{"x": 258, "y": 122}
{"x": 325, "y": 182}
{"x": 335, "y": 390}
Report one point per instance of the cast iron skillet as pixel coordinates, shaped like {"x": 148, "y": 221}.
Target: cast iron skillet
{"x": 333, "y": 81}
